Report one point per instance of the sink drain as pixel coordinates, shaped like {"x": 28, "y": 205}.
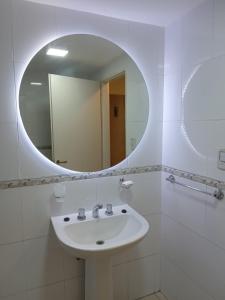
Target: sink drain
{"x": 100, "y": 242}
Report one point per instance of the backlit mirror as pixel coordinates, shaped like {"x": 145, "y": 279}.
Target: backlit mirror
{"x": 84, "y": 102}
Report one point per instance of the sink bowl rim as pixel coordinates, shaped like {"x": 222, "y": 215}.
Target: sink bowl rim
{"x": 59, "y": 225}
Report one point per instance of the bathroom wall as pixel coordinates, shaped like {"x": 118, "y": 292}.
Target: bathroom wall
{"x": 193, "y": 260}
{"x": 33, "y": 266}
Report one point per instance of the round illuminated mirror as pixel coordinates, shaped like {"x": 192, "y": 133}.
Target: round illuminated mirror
{"x": 84, "y": 102}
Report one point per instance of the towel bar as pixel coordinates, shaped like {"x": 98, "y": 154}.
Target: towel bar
{"x": 218, "y": 194}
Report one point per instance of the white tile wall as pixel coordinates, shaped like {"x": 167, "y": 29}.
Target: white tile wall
{"x": 137, "y": 278}
{"x": 216, "y": 143}
{"x": 74, "y": 289}
{"x": 151, "y": 153}
{"x": 29, "y": 34}
{"x": 32, "y": 263}
{"x": 219, "y": 22}
{"x": 160, "y": 296}
{"x": 36, "y": 210}
{"x": 109, "y": 190}
{"x": 5, "y": 31}
{"x": 18, "y": 296}
{"x": 214, "y": 222}
{"x": 203, "y": 95}
{"x": 13, "y": 269}
{"x": 11, "y": 225}
{"x": 197, "y": 256}
{"x": 172, "y": 91}
{"x": 7, "y": 98}
{"x": 51, "y": 292}
{"x": 143, "y": 276}
{"x": 121, "y": 282}
{"x": 69, "y": 23}
{"x": 80, "y": 194}
{"x": 184, "y": 146}
{"x": 197, "y": 35}
{"x": 178, "y": 286}
{"x": 9, "y": 151}
{"x": 169, "y": 279}
{"x": 192, "y": 242}
{"x": 172, "y": 73}
{"x": 145, "y": 193}
{"x": 44, "y": 261}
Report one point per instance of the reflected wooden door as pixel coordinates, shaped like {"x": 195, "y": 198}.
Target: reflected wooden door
{"x": 117, "y": 128}
{"x": 76, "y": 122}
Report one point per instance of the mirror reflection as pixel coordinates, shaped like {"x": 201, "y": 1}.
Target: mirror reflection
{"x": 84, "y": 103}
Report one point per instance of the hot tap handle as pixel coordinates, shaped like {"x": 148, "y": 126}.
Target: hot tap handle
{"x": 81, "y": 214}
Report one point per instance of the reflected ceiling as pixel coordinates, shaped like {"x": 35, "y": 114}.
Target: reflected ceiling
{"x": 89, "y": 55}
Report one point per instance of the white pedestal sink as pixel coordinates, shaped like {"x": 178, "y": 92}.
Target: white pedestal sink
{"x": 96, "y": 240}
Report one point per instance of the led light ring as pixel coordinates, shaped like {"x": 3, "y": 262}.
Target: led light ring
{"x": 47, "y": 162}
{"x": 183, "y": 127}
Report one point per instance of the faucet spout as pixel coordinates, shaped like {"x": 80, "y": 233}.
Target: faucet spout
{"x": 95, "y": 210}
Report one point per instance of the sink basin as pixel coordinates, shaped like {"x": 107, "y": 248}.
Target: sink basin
{"x": 105, "y": 234}
{"x": 96, "y": 240}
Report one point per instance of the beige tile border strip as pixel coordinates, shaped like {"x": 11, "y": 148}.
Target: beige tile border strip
{"x": 8, "y": 184}
{"x": 79, "y": 176}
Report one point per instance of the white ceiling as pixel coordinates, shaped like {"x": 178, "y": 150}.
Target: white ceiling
{"x": 155, "y": 12}
{"x": 87, "y": 55}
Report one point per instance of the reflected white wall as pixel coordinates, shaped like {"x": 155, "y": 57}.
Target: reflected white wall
{"x": 137, "y": 100}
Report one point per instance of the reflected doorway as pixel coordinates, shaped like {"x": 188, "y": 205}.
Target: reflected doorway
{"x": 117, "y": 119}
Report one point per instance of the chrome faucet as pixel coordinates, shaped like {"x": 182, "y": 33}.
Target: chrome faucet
{"x": 95, "y": 210}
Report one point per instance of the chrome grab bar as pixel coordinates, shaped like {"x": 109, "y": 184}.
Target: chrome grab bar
{"x": 218, "y": 194}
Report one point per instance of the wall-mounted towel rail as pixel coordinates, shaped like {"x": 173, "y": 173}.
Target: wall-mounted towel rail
{"x": 218, "y": 194}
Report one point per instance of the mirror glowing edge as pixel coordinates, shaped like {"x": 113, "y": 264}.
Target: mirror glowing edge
{"x": 85, "y": 106}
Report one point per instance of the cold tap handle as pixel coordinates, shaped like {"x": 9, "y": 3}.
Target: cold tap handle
{"x": 109, "y": 210}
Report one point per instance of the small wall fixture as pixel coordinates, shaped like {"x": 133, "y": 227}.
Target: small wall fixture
{"x": 126, "y": 183}
{"x": 59, "y": 191}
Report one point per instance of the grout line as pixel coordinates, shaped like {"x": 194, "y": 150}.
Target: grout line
{"x": 135, "y": 259}
{"x": 154, "y": 294}
{"x": 195, "y": 282}
{"x": 162, "y": 296}
{"x": 38, "y": 287}
{"x": 195, "y": 232}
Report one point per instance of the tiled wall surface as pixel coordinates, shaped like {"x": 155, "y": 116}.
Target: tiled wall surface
{"x": 33, "y": 266}
{"x": 193, "y": 261}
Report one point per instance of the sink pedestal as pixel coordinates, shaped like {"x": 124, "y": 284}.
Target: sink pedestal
{"x": 98, "y": 278}
{"x": 97, "y": 240}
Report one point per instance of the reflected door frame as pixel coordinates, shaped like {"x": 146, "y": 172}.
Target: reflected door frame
{"x": 108, "y": 157}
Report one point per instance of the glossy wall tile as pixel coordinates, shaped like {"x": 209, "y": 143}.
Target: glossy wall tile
{"x": 192, "y": 241}
{"x": 32, "y": 263}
